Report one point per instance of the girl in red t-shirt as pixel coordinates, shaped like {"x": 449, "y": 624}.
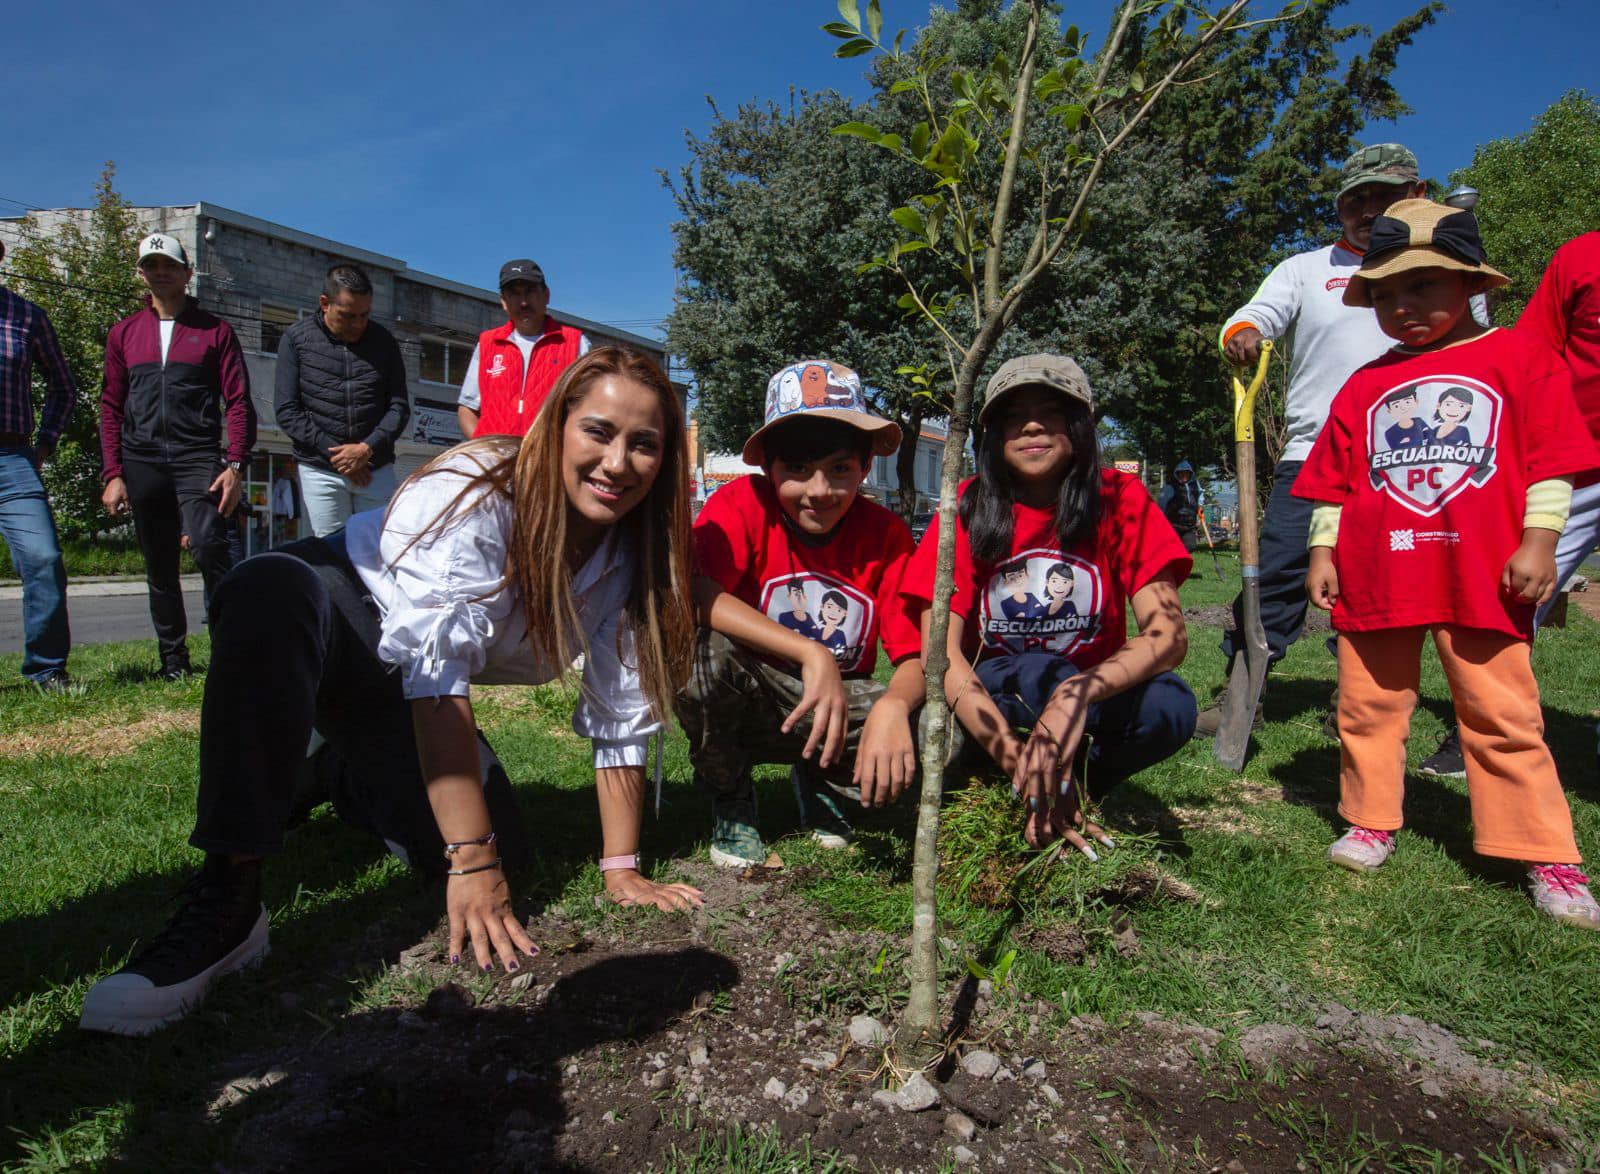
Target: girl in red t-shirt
{"x": 1455, "y": 536}
{"x": 1050, "y": 551}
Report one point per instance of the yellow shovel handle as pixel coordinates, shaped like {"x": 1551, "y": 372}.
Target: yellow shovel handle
{"x": 1244, "y": 398}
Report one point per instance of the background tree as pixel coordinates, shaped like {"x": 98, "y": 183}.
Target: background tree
{"x": 775, "y": 211}
{"x": 1536, "y": 192}
{"x": 82, "y": 275}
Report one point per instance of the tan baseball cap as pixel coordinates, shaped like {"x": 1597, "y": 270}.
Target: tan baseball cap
{"x": 1057, "y": 372}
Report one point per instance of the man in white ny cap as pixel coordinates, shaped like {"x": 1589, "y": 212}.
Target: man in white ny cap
{"x": 172, "y": 372}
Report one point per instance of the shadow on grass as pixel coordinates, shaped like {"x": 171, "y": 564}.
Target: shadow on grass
{"x": 322, "y": 947}
{"x": 384, "y": 1098}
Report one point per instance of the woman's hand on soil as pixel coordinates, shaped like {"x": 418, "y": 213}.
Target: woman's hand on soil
{"x": 479, "y": 907}
{"x": 627, "y": 888}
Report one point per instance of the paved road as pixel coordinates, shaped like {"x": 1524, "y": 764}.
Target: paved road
{"x": 101, "y": 613}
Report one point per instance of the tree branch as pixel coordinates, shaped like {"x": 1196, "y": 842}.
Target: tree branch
{"x": 1014, "y": 146}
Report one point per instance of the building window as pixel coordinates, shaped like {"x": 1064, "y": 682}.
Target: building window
{"x": 443, "y": 362}
{"x": 274, "y": 321}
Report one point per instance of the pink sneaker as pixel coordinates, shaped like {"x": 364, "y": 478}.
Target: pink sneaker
{"x": 1362, "y": 849}
{"x": 1562, "y": 891}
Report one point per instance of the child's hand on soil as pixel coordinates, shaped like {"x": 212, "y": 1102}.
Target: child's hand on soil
{"x": 886, "y": 760}
{"x": 1530, "y": 573}
{"x": 824, "y": 699}
{"x": 479, "y": 907}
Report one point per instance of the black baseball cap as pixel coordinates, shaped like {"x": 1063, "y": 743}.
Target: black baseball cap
{"x": 521, "y": 270}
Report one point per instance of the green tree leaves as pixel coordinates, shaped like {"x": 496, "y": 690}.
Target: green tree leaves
{"x": 1537, "y": 191}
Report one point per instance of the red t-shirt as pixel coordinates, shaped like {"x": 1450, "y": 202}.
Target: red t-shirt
{"x": 1564, "y": 313}
{"x": 1042, "y": 598}
{"x": 1431, "y": 455}
{"x": 843, "y": 593}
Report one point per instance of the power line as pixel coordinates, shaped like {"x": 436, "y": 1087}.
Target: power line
{"x": 111, "y": 293}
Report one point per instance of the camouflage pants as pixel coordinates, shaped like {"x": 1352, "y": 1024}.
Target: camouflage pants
{"x": 733, "y": 710}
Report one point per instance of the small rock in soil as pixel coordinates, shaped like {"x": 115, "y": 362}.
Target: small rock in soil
{"x": 964, "y": 1156}
{"x": 775, "y": 1089}
{"x": 867, "y": 1032}
{"x": 1003, "y": 1075}
{"x": 820, "y": 1062}
{"x": 523, "y": 981}
{"x": 659, "y": 1080}
{"x": 885, "y": 1099}
{"x": 1050, "y": 1094}
{"x": 699, "y": 1056}
{"x": 1034, "y": 1070}
{"x": 985, "y": 989}
{"x": 796, "y": 1098}
{"x": 981, "y": 1064}
{"x": 918, "y": 1094}
{"x": 960, "y": 1126}
{"x": 1430, "y": 1088}
{"x": 414, "y": 956}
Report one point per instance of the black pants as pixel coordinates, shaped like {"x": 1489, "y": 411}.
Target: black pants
{"x": 294, "y": 640}
{"x": 169, "y": 500}
{"x": 1284, "y": 563}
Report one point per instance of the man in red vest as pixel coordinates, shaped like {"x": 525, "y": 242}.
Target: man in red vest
{"x": 515, "y": 365}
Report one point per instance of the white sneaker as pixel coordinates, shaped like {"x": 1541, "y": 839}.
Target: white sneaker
{"x": 1562, "y": 891}
{"x": 1362, "y": 849}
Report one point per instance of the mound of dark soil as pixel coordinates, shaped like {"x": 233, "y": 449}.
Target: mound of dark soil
{"x": 612, "y": 1052}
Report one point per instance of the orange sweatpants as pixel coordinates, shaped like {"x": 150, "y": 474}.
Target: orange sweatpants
{"x": 1518, "y": 808}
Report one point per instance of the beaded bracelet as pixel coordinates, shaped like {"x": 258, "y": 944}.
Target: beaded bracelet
{"x": 455, "y": 846}
{"x": 495, "y": 863}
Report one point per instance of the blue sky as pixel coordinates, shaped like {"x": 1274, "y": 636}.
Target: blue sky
{"x": 458, "y": 135}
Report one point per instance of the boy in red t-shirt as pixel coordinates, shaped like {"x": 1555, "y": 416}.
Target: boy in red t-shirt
{"x": 1451, "y": 534}
{"x": 799, "y": 576}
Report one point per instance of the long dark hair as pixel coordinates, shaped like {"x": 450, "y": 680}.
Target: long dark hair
{"x": 985, "y": 507}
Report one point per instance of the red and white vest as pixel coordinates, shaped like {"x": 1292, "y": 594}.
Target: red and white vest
{"x": 509, "y": 398}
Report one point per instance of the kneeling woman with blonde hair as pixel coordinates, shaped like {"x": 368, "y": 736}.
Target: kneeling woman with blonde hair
{"x": 499, "y": 562}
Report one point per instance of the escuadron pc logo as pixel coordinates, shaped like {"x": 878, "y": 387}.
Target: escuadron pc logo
{"x": 1432, "y": 440}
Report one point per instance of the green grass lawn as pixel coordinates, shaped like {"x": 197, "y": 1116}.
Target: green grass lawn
{"x": 98, "y": 791}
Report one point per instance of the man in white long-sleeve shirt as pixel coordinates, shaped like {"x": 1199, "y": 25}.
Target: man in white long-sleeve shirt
{"x": 1304, "y": 298}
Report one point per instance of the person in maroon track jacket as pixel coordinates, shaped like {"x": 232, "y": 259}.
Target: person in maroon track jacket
{"x": 172, "y": 372}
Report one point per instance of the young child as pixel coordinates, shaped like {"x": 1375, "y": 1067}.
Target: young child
{"x": 1455, "y": 539}
{"x": 1090, "y": 542}
{"x": 799, "y": 575}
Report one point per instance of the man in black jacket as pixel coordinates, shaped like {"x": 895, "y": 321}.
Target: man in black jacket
{"x": 341, "y": 397}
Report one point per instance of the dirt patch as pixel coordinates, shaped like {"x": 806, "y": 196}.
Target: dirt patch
{"x": 618, "y": 1050}
{"x": 1587, "y": 601}
{"x": 105, "y": 736}
{"x": 1221, "y": 616}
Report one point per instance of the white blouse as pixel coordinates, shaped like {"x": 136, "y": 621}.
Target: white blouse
{"x": 449, "y": 618}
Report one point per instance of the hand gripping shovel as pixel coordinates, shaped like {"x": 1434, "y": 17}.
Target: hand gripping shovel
{"x": 1249, "y": 674}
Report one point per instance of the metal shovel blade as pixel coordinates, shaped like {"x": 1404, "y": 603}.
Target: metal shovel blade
{"x": 1245, "y": 683}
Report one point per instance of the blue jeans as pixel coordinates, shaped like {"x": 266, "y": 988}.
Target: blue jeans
{"x": 30, "y": 532}
{"x": 1129, "y": 732}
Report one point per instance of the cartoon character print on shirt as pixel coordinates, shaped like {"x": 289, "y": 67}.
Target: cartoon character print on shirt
{"x": 824, "y": 609}
{"x": 1042, "y": 600}
{"x": 1432, "y": 440}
